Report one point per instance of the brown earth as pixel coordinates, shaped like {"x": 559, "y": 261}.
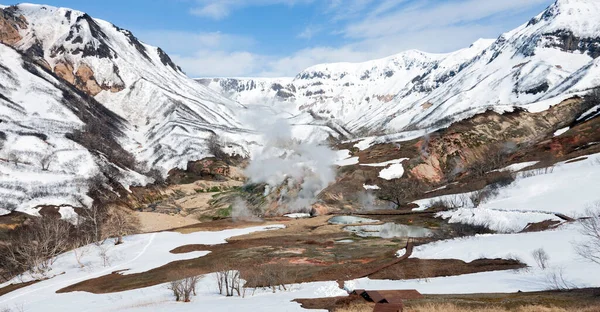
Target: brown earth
{"x": 548, "y": 301}
{"x": 83, "y": 79}
{"x": 12, "y": 287}
{"x": 10, "y": 25}
{"x": 307, "y": 250}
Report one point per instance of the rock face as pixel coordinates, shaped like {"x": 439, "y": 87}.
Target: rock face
{"x": 83, "y": 79}
{"x": 468, "y": 140}
{"x": 10, "y": 23}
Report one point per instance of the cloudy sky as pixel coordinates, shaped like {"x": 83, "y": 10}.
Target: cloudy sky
{"x": 224, "y": 38}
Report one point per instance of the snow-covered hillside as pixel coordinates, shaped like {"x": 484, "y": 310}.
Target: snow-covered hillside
{"x": 549, "y": 57}
{"x": 168, "y": 116}
{"x": 64, "y": 72}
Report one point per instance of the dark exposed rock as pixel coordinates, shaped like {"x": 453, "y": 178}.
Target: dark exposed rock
{"x": 135, "y": 42}
{"x": 166, "y": 60}
{"x": 539, "y": 89}
{"x": 313, "y": 75}
{"x": 567, "y": 41}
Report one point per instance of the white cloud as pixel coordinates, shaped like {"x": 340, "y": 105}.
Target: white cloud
{"x": 219, "y": 9}
{"x": 309, "y": 32}
{"x": 423, "y": 15}
{"x": 371, "y": 28}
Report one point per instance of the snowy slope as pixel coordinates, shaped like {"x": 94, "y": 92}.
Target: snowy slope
{"x": 169, "y": 115}
{"x": 140, "y": 253}
{"x": 548, "y": 58}
{"x": 34, "y": 123}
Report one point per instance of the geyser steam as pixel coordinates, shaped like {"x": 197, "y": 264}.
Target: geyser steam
{"x": 295, "y": 171}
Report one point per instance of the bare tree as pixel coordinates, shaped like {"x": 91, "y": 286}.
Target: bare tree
{"x": 120, "y": 223}
{"x": 103, "y": 252}
{"x": 590, "y": 229}
{"x": 14, "y": 158}
{"x": 493, "y": 157}
{"x": 214, "y": 147}
{"x": 183, "y": 289}
{"x": 541, "y": 258}
{"x": 46, "y": 160}
{"x": 401, "y": 191}
{"x": 36, "y": 247}
{"x": 91, "y": 220}
{"x": 229, "y": 282}
{"x": 556, "y": 281}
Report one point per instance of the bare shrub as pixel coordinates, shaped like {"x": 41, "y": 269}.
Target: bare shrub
{"x": 273, "y": 276}
{"x": 46, "y": 160}
{"x": 537, "y": 172}
{"x": 589, "y": 249}
{"x": 214, "y": 147}
{"x": 157, "y": 175}
{"x": 35, "y": 247}
{"x": 541, "y": 258}
{"x": 91, "y": 221}
{"x": 15, "y": 158}
{"x": 556, "y": 281}
{"x": 453, "y": 230}
{"x": 229, "y": 282}
{"x": 103, "y": 253}
{"x": 119, "y": 223}
{"x": 401, "y": 191}
{"x": 493, "y": 157}
{"x": 183, "y": 289}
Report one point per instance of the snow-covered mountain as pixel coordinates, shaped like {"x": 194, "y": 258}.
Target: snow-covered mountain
{"x": 80, "y": 93}
{"x": 168, "y": 115}
{"x": 552, "y": 55}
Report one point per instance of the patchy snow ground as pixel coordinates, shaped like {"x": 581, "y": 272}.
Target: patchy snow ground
{"x": 370, "y": 187}
{"x": 561, "y": 131}
{"x": 386, "y": 163}
{"x": 546, "y": 191}
{"x": 347, "y": 162}
{"x": 557, "y": 243}
{"x": 395, "y": 171}
{"x": 141, "y": 253}
{"x": 519, "y": 166}
{"x": 497, "y": 220}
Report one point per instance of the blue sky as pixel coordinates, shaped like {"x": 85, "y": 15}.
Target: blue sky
{"x": 281, "y": 37}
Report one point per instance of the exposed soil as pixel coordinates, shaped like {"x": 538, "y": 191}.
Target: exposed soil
{"x": 414, "y": 268}
{"x": 307, "y": 250}
{"x": 571, "y": 300}
{"x": 12, "y": 287}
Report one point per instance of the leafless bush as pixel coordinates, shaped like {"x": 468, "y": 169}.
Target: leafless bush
{"x": 183, "y": 289}
{"x": 589, "y": 249}
{"x": 119, "y": 223}
{"x": 541, "y": 258}
{"x": 229, "y": 282}
{"x": 214, "y": 147}
{"x": 453, "y": 230}
{"x": 36, "y": 247}
{"x": 492, "y": 158}
{"x": 401, "y": 191}
{"x": 537, "y": 172}
{"x": 46, "y": 160}
{"x": 556, "y": 281}
{"x": 103, "y": 252}
{"x": 14, "y": 157}
{"x": 272, "y": 276}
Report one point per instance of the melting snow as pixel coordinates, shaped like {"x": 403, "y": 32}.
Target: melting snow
{"x": 393, "y": 172}
{"x": 561, "y": 131}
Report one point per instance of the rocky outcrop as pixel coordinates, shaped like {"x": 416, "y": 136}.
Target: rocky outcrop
{"x": 10, "y": 24}
{"x": 83, "y": 79}
{"x": 463, "y": 142}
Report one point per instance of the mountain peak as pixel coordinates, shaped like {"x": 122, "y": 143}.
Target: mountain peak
{"x": 580, "y": 17}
